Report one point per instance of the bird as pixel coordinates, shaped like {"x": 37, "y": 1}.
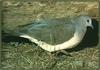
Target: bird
{"x": 57, "y": 33}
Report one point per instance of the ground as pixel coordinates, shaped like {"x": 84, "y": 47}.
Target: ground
{"x": 24, "y": 55}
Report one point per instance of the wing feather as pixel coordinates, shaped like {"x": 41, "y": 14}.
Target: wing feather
{"x": 50, "y": 31}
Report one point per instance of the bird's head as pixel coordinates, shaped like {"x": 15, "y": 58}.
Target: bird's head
{"x": 85, "y": 21}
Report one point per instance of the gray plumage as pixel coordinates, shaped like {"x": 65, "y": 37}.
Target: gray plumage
{"x": 56, "y": 31}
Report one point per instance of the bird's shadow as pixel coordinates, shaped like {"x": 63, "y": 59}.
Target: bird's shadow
{"x": 91, "y": 38}
{"x": 6, "y": 38}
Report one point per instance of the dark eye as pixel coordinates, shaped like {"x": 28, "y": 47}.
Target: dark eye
{"x": 87, "y": 20}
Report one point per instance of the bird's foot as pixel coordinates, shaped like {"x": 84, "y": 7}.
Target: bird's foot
{"x": 58, "y": 55}
{"x": 62, "y": 52}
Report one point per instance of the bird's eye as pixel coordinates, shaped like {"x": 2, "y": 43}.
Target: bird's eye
{"x": 87, "y": 20}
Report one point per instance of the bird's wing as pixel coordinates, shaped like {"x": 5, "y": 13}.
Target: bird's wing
{"x": 50, "y": 31}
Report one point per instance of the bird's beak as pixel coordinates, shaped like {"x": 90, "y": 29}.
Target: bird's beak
{"x": 92, "y": 26}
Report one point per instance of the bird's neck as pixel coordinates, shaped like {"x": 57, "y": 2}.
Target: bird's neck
{"x": 80, "y": 32}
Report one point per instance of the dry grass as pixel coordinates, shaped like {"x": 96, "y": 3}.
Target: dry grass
{"x": 26, "y": 56}
{"x": 31, "y": 57}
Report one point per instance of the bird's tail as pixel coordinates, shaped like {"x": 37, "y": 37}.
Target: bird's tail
{"x": 8, "y": 32}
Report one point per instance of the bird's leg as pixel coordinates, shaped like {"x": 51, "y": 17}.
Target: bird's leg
{"x": 54, "y": 55}
{"x": 51, "y": 54}
{"x": 64, "y": 52}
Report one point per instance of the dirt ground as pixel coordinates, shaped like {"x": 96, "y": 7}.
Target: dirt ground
{"x": 21, "y": 54}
